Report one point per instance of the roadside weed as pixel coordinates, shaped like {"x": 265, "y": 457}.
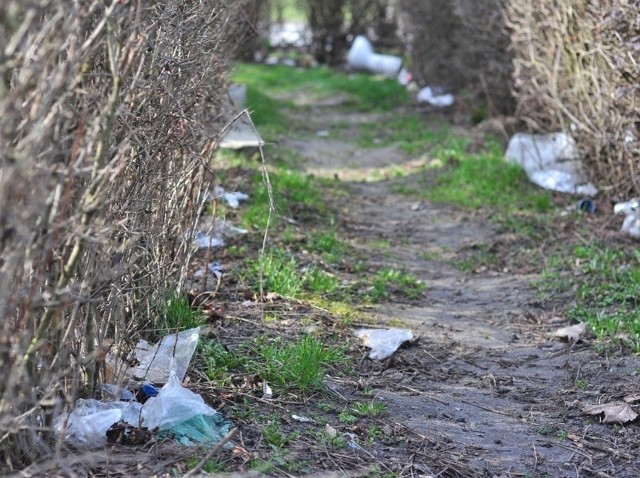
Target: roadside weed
{"x": 369, "y": 409}
{"x": 274, "y": 435}
{"x": 484, "y": 180}
{"x": 320, "y": 282}
{"x": 327, "y": 244}
{"x": 176, "y": 313}
{"x": 389, "y": 281}
{"x": 347, "y": 417}
{"x": 607, "y": 296}
{"x": 299, "y": 365}
{"x": 220, "y": 361}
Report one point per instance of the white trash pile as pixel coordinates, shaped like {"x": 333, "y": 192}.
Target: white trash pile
{"x": 135, "y": 402}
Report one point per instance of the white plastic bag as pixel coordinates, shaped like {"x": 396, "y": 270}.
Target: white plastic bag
{"x": 170, "y": 356}
{"x": 426, "y": 95}
{"x": 551, "y": 161}
{"x": 383, "y": 342}
{"x": 173, "y": 405}
{"x": 631, "y": 209}
{"x": 362, "y": 57}
{"x": 88, "y": 423}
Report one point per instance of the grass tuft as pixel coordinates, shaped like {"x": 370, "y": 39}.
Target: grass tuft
{"x": 299, "y": 365}
{"x": 484, "y": 180}
{"x": 176, "y": 313}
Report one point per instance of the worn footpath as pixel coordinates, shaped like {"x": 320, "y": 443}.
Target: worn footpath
{"x": 485, "y": 377}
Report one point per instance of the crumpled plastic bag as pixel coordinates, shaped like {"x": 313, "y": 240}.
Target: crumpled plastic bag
{"x": 184, "y": 415}
{"x": 551, "y": 161}
{"x": 383, "y": 342}
{"x": 427, "y": 95}
{"x": 631, "y": 223}
{"x": 169, "y": 356}
{"x": 361, "y": 56}
{"x": 88, "y": 423}
{"x": 232, "y": 198}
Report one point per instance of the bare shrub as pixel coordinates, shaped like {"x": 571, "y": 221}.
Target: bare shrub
{"x": 333, "y": 22}
{"x": 461, "y": 45}
{"x": 109, "y": 110}
{"x": 576, "y": 69}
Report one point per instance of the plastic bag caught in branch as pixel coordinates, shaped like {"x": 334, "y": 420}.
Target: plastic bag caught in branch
{"x": 170, "y": 356}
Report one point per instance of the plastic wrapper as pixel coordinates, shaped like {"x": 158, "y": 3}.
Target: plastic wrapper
{"x": 170, "y": 356}
{"x": 383, "y": 342}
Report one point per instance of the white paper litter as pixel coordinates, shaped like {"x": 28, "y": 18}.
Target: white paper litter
{"x": 383, "y": 342}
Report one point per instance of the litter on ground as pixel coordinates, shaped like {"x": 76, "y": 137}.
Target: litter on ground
{"x": 427, "y": 95}
{"x": 362, "y": 57}
{"x": 631, "y": 223}
{"x": 551, "y": 161}
{"x": 383, "y": 342}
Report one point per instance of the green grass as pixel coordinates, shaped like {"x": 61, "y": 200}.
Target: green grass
{"x": 607, "y": 296}
{"x": 283, "y": 275}
{"x": 366, "y": 92}
{"x": 389, "y": 282}
{"x": 176, "y": 313}
{"x": 407, "y": 131}
{"x": 299, "y": 365}
{"x": 274, "y": 435}
{"x": 484, "y": 180}
{"x": 294, "y": 194}
{"x": 280, "y": 273}
{"x": 220, "y": 362}
{"x": 369, "y": 409}
{"x": 320, "y": 282}
{"x": 291, "y": 364}
{"x": 328, "y": 244}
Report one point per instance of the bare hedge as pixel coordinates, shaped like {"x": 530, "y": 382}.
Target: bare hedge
{"x": 461, "y": 45}
{"x": 577, "y": 69}
{"x": 333, "y": 22}
{"x": 109, "y": 111}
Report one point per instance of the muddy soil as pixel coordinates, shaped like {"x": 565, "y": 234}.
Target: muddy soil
{"x": 485, "y": 377}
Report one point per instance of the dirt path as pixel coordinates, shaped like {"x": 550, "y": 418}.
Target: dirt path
{"x": 485, "y": 377}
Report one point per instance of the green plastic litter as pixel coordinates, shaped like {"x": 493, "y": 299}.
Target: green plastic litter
{"x": 199, "y": 429}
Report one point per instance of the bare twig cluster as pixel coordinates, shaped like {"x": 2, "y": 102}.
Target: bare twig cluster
{"x": 109, "y": 110}
{"x": 461, "y": 45}
{"x": 576, "y": 69}
{"x": 333, "y": 22}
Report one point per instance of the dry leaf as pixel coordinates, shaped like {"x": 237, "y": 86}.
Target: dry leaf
{"x": 632, "y": 398}
{"x": 613, "y": 412}
{"x": 573, "y": 333}
{"x": 330, "y": 431}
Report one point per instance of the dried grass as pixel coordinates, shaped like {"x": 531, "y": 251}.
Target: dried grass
{"x": 576, "y": 69}
{"x": 109, "y": 111}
